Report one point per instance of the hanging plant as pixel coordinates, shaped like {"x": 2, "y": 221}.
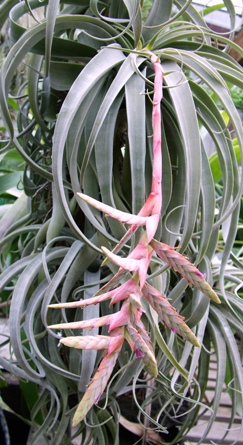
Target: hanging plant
{"x": 123, "y": 214}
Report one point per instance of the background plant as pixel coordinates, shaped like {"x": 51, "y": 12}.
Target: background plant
{"x": 84, "y": 126}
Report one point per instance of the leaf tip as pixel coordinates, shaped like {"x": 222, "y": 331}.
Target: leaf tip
{"x": 213, "y": 296}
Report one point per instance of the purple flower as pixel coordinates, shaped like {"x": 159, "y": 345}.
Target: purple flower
{"x": 139, "y": 353}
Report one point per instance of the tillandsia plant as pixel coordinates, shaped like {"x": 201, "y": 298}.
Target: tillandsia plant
{"x": 113, "y": 170}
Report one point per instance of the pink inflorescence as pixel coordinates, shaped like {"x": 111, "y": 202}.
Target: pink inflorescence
{"x": 126, "y": 324}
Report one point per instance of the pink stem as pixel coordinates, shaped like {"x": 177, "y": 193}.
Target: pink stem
{"x": 157, "y": 139}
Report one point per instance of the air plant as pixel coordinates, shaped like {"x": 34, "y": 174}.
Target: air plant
{"x": 126, "y": 324}
{"x": 91, "y": 136}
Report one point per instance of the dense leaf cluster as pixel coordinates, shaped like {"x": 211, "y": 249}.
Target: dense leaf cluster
{"x": 84, "y": 125}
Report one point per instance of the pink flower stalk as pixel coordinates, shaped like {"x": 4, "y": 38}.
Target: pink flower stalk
{"x": 127, "y": 323}
{"x": 156, "y": 121}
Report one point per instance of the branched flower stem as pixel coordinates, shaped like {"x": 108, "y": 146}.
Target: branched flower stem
{"x": 126, "y": 324}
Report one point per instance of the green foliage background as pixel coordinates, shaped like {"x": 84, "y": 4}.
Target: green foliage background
{"x": 84, "y": 124}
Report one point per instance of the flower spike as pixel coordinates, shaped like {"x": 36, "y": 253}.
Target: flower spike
{"x": 186, "y": 269}
{"x": 168, "y": 314}
{"x": 97, "y": 385}
{"x": 142, "y": 350}
{"x": 126, "y": 324}
{"x": 94, "y": 342}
